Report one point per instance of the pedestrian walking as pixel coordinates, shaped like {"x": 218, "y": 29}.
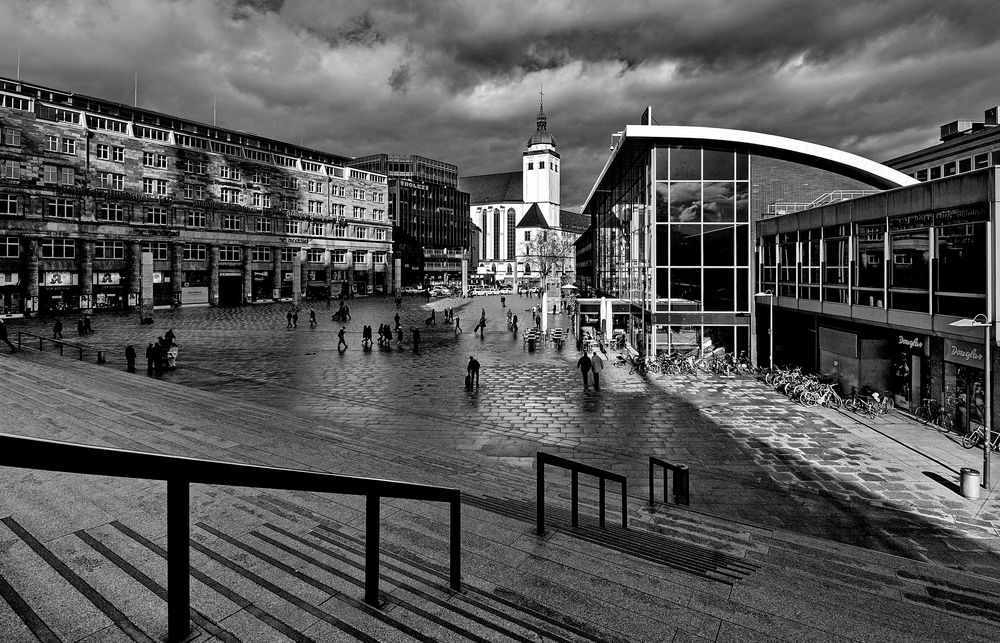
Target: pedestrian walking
{"x": 151, "y": 358}
{"x": 312, "y": 318}
{"x": 288, "y": 316}
{"x": 597, "y": 367}
{"x": 399, "y": 302}
{"x": 396, "y": 319}
{"x": 503, "y": 301}
{"x": 584, "y": 364}
{"x": 170, "y": 337}
{"x": 79, "y": 327}
{"x": 482, "y": 324}
{"x": 416, "y": 339}
{"x": 295, "y": 318}
{"x": 458, "y": 326}
{"x": 130, "y": 358}
{"x": 340, "y": 337}
{"x": 472, "y": 373}
{"x": 513, "y": 326}
{"x": 366, "y": 335}
{"x": 87, "y": 328}
{"x": 554, "y": 311}
{"x": 3, "y": 336}
{"x": 57, "y": 329}
{"x": 538, "y": 322}
{"x": 399, "y": 337}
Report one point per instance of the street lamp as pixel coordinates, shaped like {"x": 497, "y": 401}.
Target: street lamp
{"x": 985, "y": 322}
{"x": 770, "y": 325}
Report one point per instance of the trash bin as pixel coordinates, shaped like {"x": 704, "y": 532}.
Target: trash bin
{"x": 970, "y": 483}
{"x": 531, "y": 343}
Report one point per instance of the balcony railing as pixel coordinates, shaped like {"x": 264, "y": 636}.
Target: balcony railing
{"x": 179, "y": 472}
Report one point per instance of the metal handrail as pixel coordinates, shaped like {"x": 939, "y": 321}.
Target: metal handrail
{"x": 178, "y": 471}
{"x": 575, "y": 468}
{"x": 59, "y": 342}
{"x": 681, "y": 481}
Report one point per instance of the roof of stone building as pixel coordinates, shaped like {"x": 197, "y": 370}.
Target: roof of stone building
{"x": 573, "y": 221}
{"x": 505, "y": 187}
{"x": 533, "y": 218}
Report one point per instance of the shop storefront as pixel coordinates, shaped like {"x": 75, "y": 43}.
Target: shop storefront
{"x": 965, "y": 380}
{"x": 108, "y": 291}
{"x": 163, "y": 292}
{"x": 230, "y": 287}
{"x": 287, "y": 284}
{"x": 316, "y": 284}
{"x": 59, "y": 292}
{"x": 263, "y": 285}
{"x": 910, "y": 371}
{"x": 11, "y": 302}
{"x": 194, "y": 288}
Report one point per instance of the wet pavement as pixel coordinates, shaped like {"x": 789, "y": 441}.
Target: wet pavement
{"x": 888, "y": 484}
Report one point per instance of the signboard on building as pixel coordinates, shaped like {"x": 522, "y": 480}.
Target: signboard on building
{"x": 59, "y": 279}
{"x": 913, "y": 344}
{"x": 107, "y": 278}
{"x": 965, "y": 353}
{"x": 10, "y": 278}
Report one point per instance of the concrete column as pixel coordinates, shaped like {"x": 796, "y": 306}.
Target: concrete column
{"x": 134, "y": 275}
{"x": 33, "y": 261}
{"x": 276, "y": 269}
{"x": 247, "y": 274}
{"x": 545, "y": 311}
{"x": 465, "y": 275}
{"x": 329, "y": 273}
{"x": 176, "y": 272}
{"x": 297, "y": 277}
{"x": 397, "y": 272}
{"x": 350, "y": 274}
{"x": 87, "y": 276}
{"x": 213, "y": 275}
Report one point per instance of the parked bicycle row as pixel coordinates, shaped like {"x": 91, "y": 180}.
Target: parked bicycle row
{"x": 810, "y": 389}
{"x": 717, "y": 362}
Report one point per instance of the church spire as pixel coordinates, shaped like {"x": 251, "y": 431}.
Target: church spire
{"x": 540, "y": 121}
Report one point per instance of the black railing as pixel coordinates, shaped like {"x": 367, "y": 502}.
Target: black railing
{"x": 62, "y": 344}
{"x": 179, "y": 472}
{"x": 575, "y": 468}
{"x": 681, "y": 481}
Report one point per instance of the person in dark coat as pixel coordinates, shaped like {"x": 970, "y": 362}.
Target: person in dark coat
{"x": 152, "y": 358}
{"x": 170, "y": 337}
{"x": 584, "y": 364}
{"x": 288, "y": 316}
{"x": 130, "y": 358}
{"x": 312, "y": 318}
{"x": 340, "y": 338}
{"x": 513, "y": 325}
{"x": 3, "y": 336}
{"x": 473, "y": 371}
{"x": 80, "y": 330}
{"x": 57, "y": 329}
{"x": 87, "y": 328}
{"x": 295, "y": 319}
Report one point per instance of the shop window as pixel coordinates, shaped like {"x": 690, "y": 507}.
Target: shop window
{"x": 837, "y": 267}
{"x": 869, "y": 266}
{"x": 809, "y": 271}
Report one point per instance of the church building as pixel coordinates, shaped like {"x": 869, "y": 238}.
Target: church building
{"x": 526, "y": 239}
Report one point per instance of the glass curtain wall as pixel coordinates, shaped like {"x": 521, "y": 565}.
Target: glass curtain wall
{"x": 702, "y": 241}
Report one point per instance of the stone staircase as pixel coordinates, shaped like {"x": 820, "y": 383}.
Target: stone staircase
{"x": 82, "y": 558}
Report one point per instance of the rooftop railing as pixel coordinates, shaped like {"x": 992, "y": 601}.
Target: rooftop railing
{"x": 179, "y": 472}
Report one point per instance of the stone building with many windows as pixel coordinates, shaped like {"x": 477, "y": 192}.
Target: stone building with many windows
{"x": 88, "y": 185}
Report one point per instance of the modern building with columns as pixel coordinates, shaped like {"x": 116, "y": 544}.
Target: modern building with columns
{"x": 88, "y": 185}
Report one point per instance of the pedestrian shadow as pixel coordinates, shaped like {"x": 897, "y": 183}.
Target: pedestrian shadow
{"x": 950, "y": 485}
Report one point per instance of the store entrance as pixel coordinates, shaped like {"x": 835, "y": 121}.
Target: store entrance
{"x": 970, "y": 389}
{"x": 230, "y": 290}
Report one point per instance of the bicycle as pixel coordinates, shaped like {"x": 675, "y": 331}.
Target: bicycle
{"x": 825, "y": 395}
{"x": 976, "y": 436}
{"x": 933, "y": 412}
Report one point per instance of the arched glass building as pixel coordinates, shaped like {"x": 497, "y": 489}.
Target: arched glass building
{"x": 672, "y": 227}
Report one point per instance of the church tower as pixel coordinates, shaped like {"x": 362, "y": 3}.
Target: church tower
{"x": 540, "y": 170}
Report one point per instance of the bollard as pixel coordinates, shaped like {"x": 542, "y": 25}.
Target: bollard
{"x": 100, "y": 357}
{"x": 681, "y": 493}
{"x": 970, "y": 483}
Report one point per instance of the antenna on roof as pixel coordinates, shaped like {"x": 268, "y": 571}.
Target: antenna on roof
{"x": 135, "y": 91}
{"x": 18, "y": 64}
{"x": 213, "y": 109}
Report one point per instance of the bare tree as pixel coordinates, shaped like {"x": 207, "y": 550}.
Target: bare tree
{"x": 549, "y": 251}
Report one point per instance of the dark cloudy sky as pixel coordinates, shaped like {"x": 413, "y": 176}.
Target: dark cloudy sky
{"x": 459, "y": 81}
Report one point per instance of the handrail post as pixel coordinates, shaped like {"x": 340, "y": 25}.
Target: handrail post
{"x": 600, "y": 503}
{"x": 18, "y": 340}
{"x": 178, "y": 559}
{"x": 371, "y": 548}
{"x": 681, "y": 482}
{"x": 575, "y": 497}
{"x": 651, "y": 500}
{"x": 624, "y": 504}
{"x": 456, "y": 544}
{"x": 61, "y": 346}
{"x": 539, "y": 495}
{"x": 40, "y": 344}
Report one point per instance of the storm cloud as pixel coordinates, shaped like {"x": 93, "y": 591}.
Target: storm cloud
{"x": 459, "y": 81}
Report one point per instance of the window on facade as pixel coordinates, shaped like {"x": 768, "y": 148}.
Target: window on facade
{"x": 965, "y": 165}
{"x": 316, "y": 187}
{"x": 12, "y": 136}
{"x": 68, "y": 146}
{"x": 338, "y": 256}
{"x": 104, "y": 151}
{"x": 961, "y": 276}
{"x": 151, "y": 159}
{"x": 118, "y": 154}
{"x": 379, "y": 234}
{"x": 315, "y": 207}
{"x": 359, "y": 213}
{"x": 10, "y": 169}
{"x": 837, "y": 267}
{"x": 378, "y": 256}
{"x": 921, "y": 175}
{"x": 527, "y": 235}
{"x": 159, "y": 249}
{"x": 262, "y": 224}
{"x": 58, "y": 249}
{"x": 229, "y": 195}
{"x": 111, "y": 212}
{"x": 67, "y": 176}
{"x": 531, "y": 165}
{"x": 909, "y": 270}
{"x": 949, "y": 168}
{"x": 315, "y": 255}
{"x": 261, "y": 200}
{"x": 229, "y": 172}
{"x": 359, "y": 195}
{"x": 196, "y": 219}
{"x": 789, "y": 258}
{"x": 194, "y": 192}
{"x": 288, "y": 254}
{"x": 232, "y": 222}
{"x": 338, "y": 190}
{"x": 154, "y": 215}
{"x": 61, "y": 208}
{"x": 360, "y": 232}
{"x": 340, "y": 230}
{"x": 360, "y": 257}
{"x": 9, "y": 248}
{"x": 810, "y": 268}
{"x": 109, "y": 250}
{"x": 541, "y": 165}
{"x": 52, "y": 143}
{"x": 8, "y": 204}
{"x": 195, "y": 252}
{"x": 50, "y": 173}
{"x": 981, "y": 161}
{"x": 935, "y": 172}
{"x": 291, "y": 226}
{"x": 230, "y": 253}
{"x": 316, "y": 228}
{"x": 260, "y": 253}
{"x": 156, "y": 187}
{"x": 869, "y": 265}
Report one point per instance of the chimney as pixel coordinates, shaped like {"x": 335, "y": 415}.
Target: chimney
{"x": 991, "y": 116}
